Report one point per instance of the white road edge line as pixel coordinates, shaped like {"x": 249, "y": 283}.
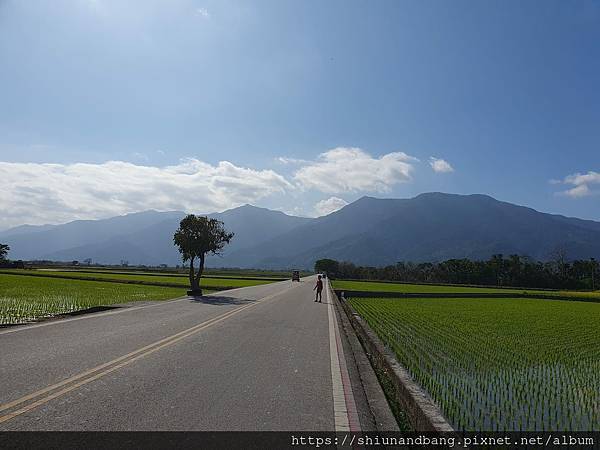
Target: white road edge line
{"x": 26, "y": 327}
{"x": 341, "y": 409}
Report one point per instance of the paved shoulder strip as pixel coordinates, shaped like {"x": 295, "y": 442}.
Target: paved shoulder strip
{"x": 344, "y": 405}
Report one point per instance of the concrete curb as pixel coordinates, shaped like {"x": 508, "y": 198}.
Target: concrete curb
{"x": 423, "y": 414}
{"x": 381, "y": 415}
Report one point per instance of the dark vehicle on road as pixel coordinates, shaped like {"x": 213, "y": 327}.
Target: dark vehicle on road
{"x": 296, "y": 275}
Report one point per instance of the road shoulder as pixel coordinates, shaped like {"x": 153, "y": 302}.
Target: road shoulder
{"x": 373, "y": 409}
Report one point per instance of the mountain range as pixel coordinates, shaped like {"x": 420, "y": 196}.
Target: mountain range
{"x": 430, "y": 227}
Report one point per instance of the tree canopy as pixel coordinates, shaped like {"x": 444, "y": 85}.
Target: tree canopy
{"x": 329, "y": 266}
{"x": 4, "y": 249}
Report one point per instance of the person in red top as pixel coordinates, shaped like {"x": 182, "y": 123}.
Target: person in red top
{"x": 319, "y": 288}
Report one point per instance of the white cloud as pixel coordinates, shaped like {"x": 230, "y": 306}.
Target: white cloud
{"x": 440, "y": 165}
{"x": 581, "y": 184}
{"x": 587, "y": 178}
{"x": 286, "y": 160}
{"x": 203, "y": 12}
{"x": 53, "y": 193}
{"x": 352, "y": 169}
{"x": 579, "y": 191}
{"x": 330, "y": 205}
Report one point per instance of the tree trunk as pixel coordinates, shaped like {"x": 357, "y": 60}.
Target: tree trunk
{"x": 200, "y": 271}
{"x": 193, "y": 280}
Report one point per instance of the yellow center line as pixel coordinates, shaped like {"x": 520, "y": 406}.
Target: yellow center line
{"x": 120, "y": 362}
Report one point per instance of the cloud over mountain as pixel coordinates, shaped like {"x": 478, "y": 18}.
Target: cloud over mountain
{"x": 329, "y": 205}
{"x": 352, "y": 169}
{"x": 583, "y": 184}
{"x": 42, "y": 193}
{"x": 37, "y": 193}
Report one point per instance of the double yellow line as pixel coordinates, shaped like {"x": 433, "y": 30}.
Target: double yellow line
{"x": 51, "y": 392}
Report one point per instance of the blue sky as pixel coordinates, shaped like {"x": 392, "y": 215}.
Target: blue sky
{"x": 110, "y": 107}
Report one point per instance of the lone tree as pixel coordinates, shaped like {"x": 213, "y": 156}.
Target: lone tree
{"x": 195, "y": 237}
{"x": 4, "y": 249}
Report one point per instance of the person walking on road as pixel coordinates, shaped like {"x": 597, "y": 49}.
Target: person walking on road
{"x": 319, "y": 288}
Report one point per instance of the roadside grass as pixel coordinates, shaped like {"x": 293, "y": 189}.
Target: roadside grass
{"x": 24, "y": 299}
{"x": 375, "y": 286}
{"x": 154, "y": 279}
{"x": 498, "y": 364}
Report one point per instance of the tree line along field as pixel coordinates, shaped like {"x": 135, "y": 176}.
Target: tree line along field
{"x": 514, "y": 270}
{"x": 25, "y": 296}
{"x": 495, "y": 363}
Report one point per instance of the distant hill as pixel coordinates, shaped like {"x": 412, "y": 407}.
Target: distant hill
{"x": 142, "y": 238}
{"x": 370, "y": 231}
{"x": 24, "y": 229}
{"x": 46, "y": 243}
{"x": 429, "y": 227}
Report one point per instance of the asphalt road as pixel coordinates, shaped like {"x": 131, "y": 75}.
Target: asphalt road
{"x": 259, "y": 358}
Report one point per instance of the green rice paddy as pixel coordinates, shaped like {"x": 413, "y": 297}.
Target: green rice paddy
{"x": 23, "y": 299}
{"x": 498, "y": 364}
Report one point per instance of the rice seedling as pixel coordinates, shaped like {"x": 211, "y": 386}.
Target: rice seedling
{"x": 23, "y": 298}
{"x": 498, "y": 364}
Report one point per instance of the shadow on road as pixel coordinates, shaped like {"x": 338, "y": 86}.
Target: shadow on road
{"x": 220, "y": 300}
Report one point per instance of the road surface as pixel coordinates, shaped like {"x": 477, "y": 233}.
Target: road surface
{"x": 259, "y": 358}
